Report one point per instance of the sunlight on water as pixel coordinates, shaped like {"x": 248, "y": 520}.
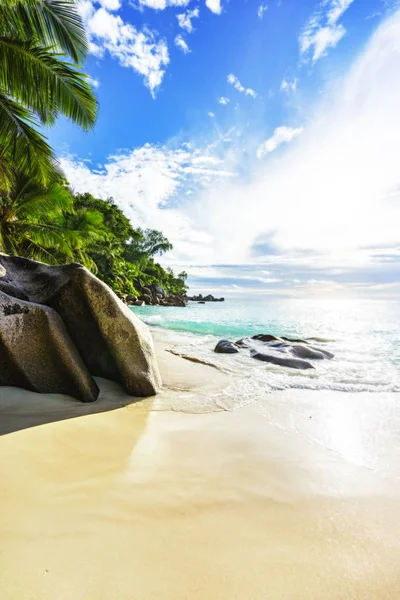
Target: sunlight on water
{"x": 363, "y": 335}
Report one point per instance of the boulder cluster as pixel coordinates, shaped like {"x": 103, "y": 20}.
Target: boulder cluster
{"x": 61, "y": 326}
{"x": 283, "y": 351}
{"x": 203, "y": 299}
{"x": 155, "y": 295}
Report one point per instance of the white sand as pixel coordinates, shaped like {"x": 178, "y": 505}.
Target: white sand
{"x": 117, "y": 501}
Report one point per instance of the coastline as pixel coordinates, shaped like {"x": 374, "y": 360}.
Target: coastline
{"x": 293, "y": 496}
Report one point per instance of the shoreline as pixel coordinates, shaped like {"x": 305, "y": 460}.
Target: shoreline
{"x": 293, "y": 496}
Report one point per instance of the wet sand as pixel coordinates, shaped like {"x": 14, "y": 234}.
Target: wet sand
{"x": 295, "y": 497}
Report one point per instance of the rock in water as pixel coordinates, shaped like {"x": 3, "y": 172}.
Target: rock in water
{"x": 310, "y": 352}
{"x": 110, "y": 340}
{"x": 283, "y": 361}
{"x": 243, "y": 343}
{"x": 265, "y": 337}
{"x": 225, "y": 347}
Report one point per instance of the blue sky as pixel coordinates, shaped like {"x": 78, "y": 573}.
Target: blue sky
{"x": 259, "y": 136}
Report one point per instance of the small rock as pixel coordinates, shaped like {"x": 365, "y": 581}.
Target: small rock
{"x": 265, "y": 337}
{"x": 242, "y": 344}
{"x": 225, "y": 347}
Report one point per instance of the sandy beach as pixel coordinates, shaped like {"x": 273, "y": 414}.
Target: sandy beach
{"x": 292, "y": 497}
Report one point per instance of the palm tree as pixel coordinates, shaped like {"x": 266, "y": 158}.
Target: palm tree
{"x": 40, "y": 223}
{"x": 42, "y": 47}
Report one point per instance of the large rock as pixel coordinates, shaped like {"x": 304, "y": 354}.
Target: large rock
{"x": 146, "y": 298}
{"x": 266, "y": 337}
{"x": 157, "y": 290}
{"x": 37, "y": 353}
{"x": 109, "y": 339}
{"x": 282, "y": 351}
{"x": 310, "y": 352}
{"x": 173, "y": 300}
{"x": 283, "y": 361}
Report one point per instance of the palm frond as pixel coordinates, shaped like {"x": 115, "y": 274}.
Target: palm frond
{"x": 7, "y": 176}
{"x": 39, "y": 203}
{"x": 22, "y": 145}
{"x": 67, "y": 90}
{"x": 7, "y": 243}
{"x": 54, "y": 22}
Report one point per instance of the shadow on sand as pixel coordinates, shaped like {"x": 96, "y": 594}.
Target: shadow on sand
{"x": 22, "y": 409}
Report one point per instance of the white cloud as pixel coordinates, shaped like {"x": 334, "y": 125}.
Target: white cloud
{"x": 181, "y": 44}
{"x": 338, "y": 188}
{"x": 185, "y": 19}
{"x": 86, "y": 9}
{"x": 211, "y": 114}
{"x": 327, "y": 203}
{"x": 138, "y": 50}
{"x": 223, "y": 100}
{"x": 281, "y": 135}
{"x": 143, "y": 181}
{"x": 162, "y": 4}
{"x": 261, "y": 10}
{"x": 94, "y": 82}
{"x": 110, "y": 4}
{"x": 233, "y": 80}
{"x": 323, "y": 30}
{"x": 214, "y": 6}
{"x": 289, "y": 86}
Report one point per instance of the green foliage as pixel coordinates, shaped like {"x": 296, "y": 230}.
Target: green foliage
{"x": 40, "y": 222}
{"x": 155, "y": 273}
{"x": 42, "y": 47}
{"x": 52, "y": 225}
{"x": 125, "y": 258}
{"x": 37, "y": 83}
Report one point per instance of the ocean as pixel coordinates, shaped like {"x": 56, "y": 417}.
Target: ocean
{"x": 363, "y": 335}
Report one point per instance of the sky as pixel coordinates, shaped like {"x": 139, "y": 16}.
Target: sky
{"x": 262, "y": 138}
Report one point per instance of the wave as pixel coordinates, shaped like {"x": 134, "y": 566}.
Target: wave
{"x": 153, "y": 319}
{"x": 366, "y": 349}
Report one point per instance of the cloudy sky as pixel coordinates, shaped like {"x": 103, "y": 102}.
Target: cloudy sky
{"x": 263, "y": 138}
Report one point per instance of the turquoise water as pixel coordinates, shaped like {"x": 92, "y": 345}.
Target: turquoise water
{"x": 364, "y": 336}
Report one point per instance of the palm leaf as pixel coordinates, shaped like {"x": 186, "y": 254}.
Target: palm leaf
{"x": 50, "y": 85}
{"x": 22, "y": 145}
{"x": 44, "y": 202}
{"x": 54, "y": 22}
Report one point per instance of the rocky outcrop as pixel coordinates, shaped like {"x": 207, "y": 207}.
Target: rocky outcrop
{"x": 154, "y": 295}
{"x": 225, "y": 347}
{"x": 157, "y": 290}
{"x": 69, "y": 327}
{"x": 282, "y": 351}
{"x": 202, "y": 300}
{"x": 173, "y": 300}
{"x": 37, "y": 353}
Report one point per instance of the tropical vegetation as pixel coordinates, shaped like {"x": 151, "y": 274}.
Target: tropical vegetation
{"x": 55, "y": 226}
{"x": 43, "y": 46}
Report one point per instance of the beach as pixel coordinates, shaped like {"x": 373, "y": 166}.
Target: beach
{"x": 294, "y": 496}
